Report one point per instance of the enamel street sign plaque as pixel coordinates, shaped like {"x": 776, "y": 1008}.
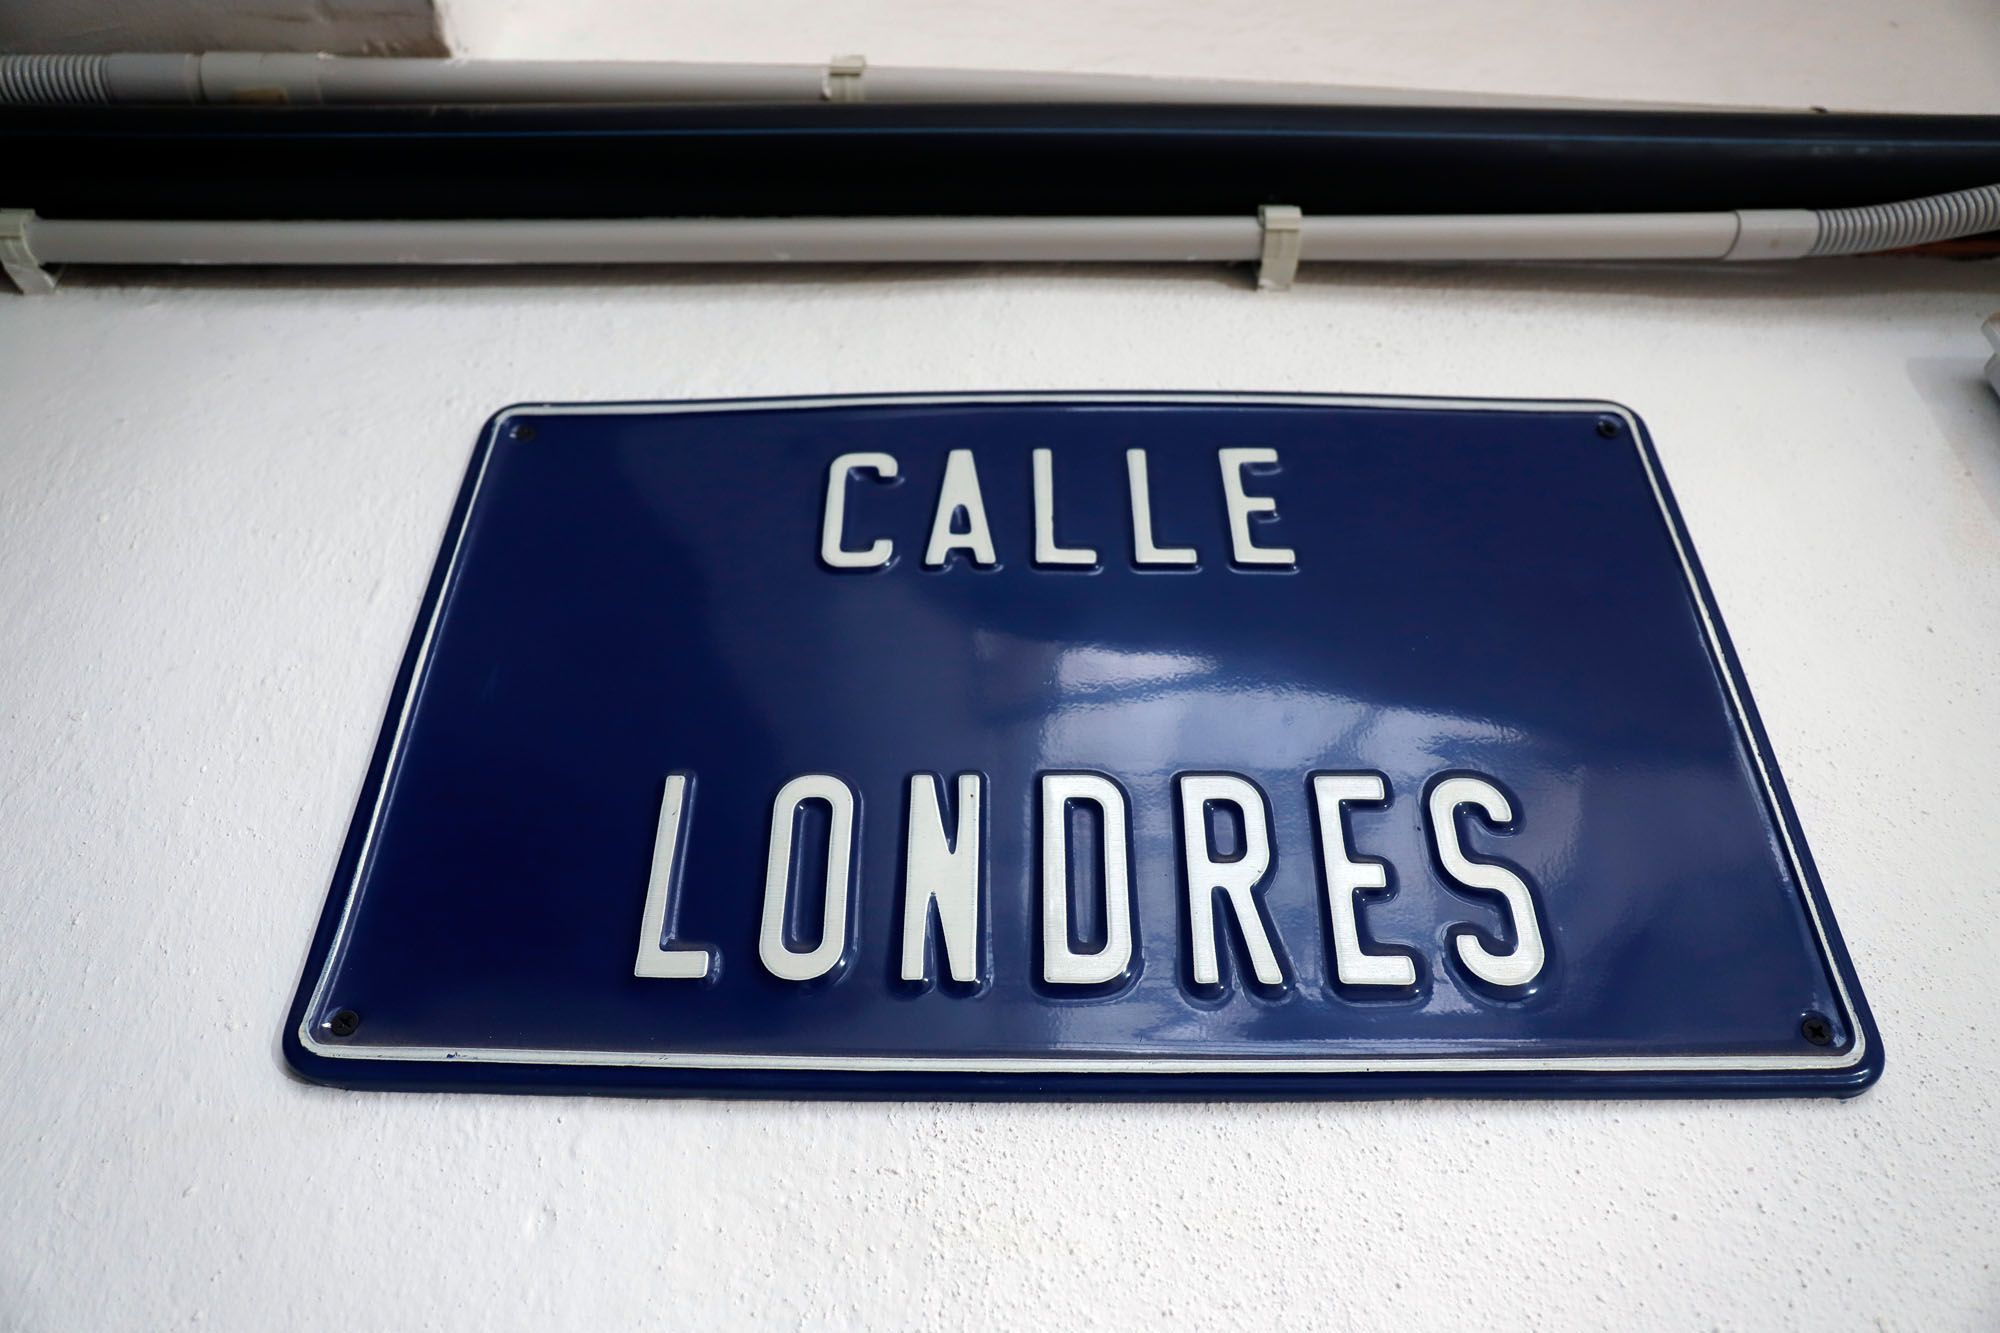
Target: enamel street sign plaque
{"x": 1075, "y": 745}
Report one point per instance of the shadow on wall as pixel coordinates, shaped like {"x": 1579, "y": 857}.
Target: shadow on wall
{"x": 337, "y": 27}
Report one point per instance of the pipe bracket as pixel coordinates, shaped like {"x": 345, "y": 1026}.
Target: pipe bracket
{"x": 1281, "y": 224}
{"x": 15, "y": 256}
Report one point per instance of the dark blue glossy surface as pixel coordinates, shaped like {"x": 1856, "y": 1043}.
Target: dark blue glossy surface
{"x": 1492, "y": 589}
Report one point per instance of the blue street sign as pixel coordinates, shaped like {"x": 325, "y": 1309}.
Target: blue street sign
{"x": 1118, "y": 745}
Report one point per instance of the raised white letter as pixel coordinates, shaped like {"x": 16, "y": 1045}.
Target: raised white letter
{"x": 944, "y": 873}
{"x": 960, "y": 491}
{"x": 1235, "y": 878}
{"x": 1143, "y": 550}
{"x": 830, "y": 549}
{"x": 658, "y": 957}
{"x": 1503, "y": 969}
{"x": 1346, "y": 877}
{"x": 1061, "y": 965}
{"x": 1241, "y": 507}
{"x": 1046, "y": 550}
{"x": 779, "y": 958}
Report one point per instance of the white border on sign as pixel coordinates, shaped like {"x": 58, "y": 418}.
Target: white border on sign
{"x": 1088, "y": 1061}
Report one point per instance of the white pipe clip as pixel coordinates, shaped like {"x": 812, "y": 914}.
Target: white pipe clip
{"x": 15, "y": 256}
{"x": 1773, "y": 233}
{"x": 843, "y": 79}
{"x": 1282, "y": 225}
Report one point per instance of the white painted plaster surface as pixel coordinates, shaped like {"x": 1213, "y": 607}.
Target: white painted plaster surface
{"x": 219, "y": 498}
{"x": 1875, "y": 55}
{"x": 218, "y": 502}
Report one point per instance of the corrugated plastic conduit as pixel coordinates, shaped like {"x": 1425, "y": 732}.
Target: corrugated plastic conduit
{"x": 1941, "y": 217}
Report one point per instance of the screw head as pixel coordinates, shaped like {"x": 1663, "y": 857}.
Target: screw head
{"x": 1816, "y": 1029}
{"x": 1608, "y": 426}
{"x": 344, "y": 1023}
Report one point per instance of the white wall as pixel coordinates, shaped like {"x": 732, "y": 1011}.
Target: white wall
{"x": 1855, "y": 55}
{"x": 219, "y": 496}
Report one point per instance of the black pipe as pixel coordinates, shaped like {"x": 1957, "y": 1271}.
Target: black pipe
{"x": 861, "y": 160}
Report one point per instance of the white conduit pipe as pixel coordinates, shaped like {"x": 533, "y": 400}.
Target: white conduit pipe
{"x": 651, "y": 241}
{"x": 27, "y": 242}
{"x": 245, "y": 77}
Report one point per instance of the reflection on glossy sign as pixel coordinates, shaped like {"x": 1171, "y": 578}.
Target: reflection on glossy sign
{"x": 1075, "y": 745}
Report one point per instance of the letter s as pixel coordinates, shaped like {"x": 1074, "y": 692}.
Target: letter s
{"x": 1524, "y": 964}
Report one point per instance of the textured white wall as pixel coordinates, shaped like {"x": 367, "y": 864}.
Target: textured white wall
{"x": 1855, "y": 55}
{"x": 219, "y": 497}
{"x": 218, "y": 501}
